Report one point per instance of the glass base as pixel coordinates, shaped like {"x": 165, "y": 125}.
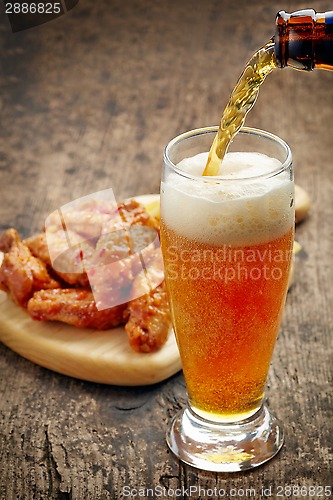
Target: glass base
{"x": 229, "y": 447}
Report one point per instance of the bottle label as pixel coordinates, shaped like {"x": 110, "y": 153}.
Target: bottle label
{"x": 329, "y": 17}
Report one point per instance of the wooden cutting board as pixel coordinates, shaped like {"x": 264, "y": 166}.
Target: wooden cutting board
{"x": 87, "y": 354}
{"x": 93, "y": 355}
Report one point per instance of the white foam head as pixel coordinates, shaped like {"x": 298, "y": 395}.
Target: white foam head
{"x": 242, "y": 206}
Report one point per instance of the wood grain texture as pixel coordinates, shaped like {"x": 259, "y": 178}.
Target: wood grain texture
{"x": 88, "y": 102}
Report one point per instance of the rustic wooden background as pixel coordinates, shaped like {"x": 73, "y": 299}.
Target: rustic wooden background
{"x": 88, "y": 101}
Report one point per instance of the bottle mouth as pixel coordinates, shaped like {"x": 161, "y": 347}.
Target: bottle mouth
{"x": 294, "y": 39}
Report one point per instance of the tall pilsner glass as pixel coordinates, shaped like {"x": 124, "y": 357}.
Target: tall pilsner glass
{"x": 227, "y": 248}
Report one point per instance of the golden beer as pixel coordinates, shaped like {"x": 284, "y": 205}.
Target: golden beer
{"x": 227, "y": 248}
{"x": 226, "y": 306}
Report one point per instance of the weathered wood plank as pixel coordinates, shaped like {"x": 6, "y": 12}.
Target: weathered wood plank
{"x": 88, "y": 102}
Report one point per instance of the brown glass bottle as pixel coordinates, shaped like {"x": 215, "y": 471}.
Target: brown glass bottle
{"x": 304, "y": 40}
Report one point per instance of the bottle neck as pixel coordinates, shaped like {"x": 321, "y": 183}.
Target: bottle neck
{"x": 304, "y": 40}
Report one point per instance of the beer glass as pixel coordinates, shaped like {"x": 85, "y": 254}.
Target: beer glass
{"x": 227, "y": 248}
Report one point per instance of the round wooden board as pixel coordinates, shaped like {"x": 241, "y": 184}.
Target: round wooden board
{"x": 92, "y": 355}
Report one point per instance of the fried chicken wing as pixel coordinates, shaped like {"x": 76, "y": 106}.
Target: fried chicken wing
{"x": 129, "y": 213}
{"x": 85, "y": 217}
{"x": 134, "y": 213}
{"x": 8, "y": 239}
{"x": 70, "y": 262}
{"x": 21, "y": 273}
{"x": 76, "y": 307}
{"x": 117, "y": 260}
{"x": 71, "y": 253}
{"x": 149, "y": 321}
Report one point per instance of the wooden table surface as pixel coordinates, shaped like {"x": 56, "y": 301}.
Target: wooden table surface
{"x": 88, "y": 101}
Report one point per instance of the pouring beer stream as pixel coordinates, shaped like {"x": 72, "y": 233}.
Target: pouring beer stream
{"x": 240, "y": 103}
{"x": 304, "y": 41}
